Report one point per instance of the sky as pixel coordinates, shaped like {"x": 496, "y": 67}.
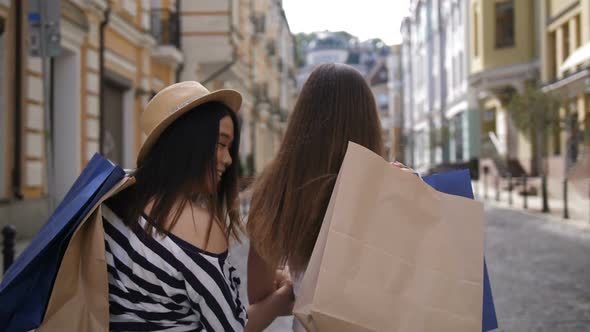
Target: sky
{"x": 362, "y": 18}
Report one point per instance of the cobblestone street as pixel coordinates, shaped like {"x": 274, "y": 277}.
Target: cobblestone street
{"x": 540, "y": 272}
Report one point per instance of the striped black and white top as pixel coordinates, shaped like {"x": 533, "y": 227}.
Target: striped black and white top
{"x": 166, "y": 284}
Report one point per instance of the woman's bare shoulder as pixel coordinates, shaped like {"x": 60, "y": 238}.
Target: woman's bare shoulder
{"x": 196, "y": 226}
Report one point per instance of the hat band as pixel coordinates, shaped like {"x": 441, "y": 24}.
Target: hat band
{"x": 181, "y": 106}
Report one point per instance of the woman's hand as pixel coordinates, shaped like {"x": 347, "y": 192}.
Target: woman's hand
{"x": 278, "y": 303}
{"x": 281, "y": 276}
{"x": 403, "y": 167}
{"x": 283, "y": 298}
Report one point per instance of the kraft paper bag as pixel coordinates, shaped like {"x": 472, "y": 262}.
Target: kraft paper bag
{"x": 393, "y": 254}
{"x": 80, "y": 297}
{"x": 303, "y": 305}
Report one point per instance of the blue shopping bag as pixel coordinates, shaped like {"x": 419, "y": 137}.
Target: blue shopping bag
{"x": 26, "y": 288}
{"x": 459, "y": 183}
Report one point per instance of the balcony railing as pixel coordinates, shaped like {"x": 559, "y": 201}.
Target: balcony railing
{"x": 259, "y": 22}
{"x": 271, "y": 48}
{"x": 260, "y": 91}
{"x": 165, "y": 27}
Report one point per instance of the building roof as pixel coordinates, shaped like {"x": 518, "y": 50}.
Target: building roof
{"x": 378, "y": 74}
{"x": 328, "y": 41}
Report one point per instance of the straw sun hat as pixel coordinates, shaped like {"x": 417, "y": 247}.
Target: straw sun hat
{"x": 174, "y": 101}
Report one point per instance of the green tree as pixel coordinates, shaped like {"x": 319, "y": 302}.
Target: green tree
{"x": 378, "y": 43}
{"x": 302, "y": 39}
{"x": 536, "y": 114}
{"x": 347, "y": 36}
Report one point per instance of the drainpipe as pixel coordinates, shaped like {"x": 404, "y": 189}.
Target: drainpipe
{"x": 16, "y": 172}
{"x": 180, "y": 67}
{"x": 102, "y": 48}
{"x": 234, "y": 49}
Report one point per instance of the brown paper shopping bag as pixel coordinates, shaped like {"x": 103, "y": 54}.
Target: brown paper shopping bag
{"x": 393, "y": 254}
{"x": 80, "y": 297}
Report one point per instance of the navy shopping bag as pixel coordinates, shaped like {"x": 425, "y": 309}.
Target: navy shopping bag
{"x": 27, "y": 285}
{"x": 459, "y": 183}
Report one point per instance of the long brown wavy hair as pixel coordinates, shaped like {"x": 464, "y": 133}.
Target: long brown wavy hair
{"x": 291, "y": 195}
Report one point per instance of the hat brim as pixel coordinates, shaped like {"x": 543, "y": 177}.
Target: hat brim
{"x": 230, "y": 98}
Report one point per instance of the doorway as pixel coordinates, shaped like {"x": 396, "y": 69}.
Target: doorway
{"x": 66, "y": 131}
{"x": 112, "y": 134}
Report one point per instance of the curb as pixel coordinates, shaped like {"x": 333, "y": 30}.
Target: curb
{"x": 548, "y": 217}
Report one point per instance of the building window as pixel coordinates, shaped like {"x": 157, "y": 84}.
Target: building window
{"x": 475, "y": 32}
{"x": 458, "y": 125}
{"x": 130, "y": 6}
{"x": 504, "y": 24}
{"x": 558, "y": 129}
{"x": 572, "y": 138}
{"x": 551, "y": 55}
{"x": 435, "y": 88}
{"x": 565, "y": 41}
{"x": 489, "y": 121}
{"x": 3, "y": 115}
{"x": 420, "y": 111}
{"x": 457, "y": 70}
{"x": 453, "y": 72}
{"x": 556, "y": 140}
{"x": 462, "y": 66}
{"x": 578, "y": 32}
{"x": 449, "y": 78}
{"x": 586, "y": 121}
{"x": 382, "y": 102}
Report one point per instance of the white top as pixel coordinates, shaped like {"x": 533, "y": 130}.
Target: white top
{"x": 297, "y": 327}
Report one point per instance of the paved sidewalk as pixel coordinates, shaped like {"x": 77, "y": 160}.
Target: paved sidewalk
{"x": 19, "y": 248}
{"x": 578, "y": 208}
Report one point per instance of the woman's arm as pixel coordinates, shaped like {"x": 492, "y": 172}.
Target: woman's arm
{"x": 278, "y": 303}
{"x": 270, "y": 293}
{"x": 261, "y": 277}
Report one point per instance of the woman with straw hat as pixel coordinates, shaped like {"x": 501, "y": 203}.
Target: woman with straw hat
{"x": 167, "y": 236}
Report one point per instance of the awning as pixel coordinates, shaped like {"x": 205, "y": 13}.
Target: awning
{"x": 580, "y": 55}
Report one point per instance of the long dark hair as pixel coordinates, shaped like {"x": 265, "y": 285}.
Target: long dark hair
{"x": 291, "y": 196}
{"x": 180, "y": 165}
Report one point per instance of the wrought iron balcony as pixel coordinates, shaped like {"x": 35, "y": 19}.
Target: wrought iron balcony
{"x": 165, "y": 27}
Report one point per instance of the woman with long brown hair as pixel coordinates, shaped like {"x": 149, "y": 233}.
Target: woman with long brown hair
{"x": 291, "y": 196}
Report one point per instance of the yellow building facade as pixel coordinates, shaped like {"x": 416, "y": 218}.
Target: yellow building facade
{"x": 503, "y": 60}
{"x": 565, "y": 69}
{"x": 565, "y": 73}
{"x": 113, "y": 59}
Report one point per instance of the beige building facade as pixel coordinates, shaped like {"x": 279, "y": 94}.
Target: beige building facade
{"x": 565, "y": 73}
{"x": 244, "y": 45}
{"x": 115, "y": 55}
